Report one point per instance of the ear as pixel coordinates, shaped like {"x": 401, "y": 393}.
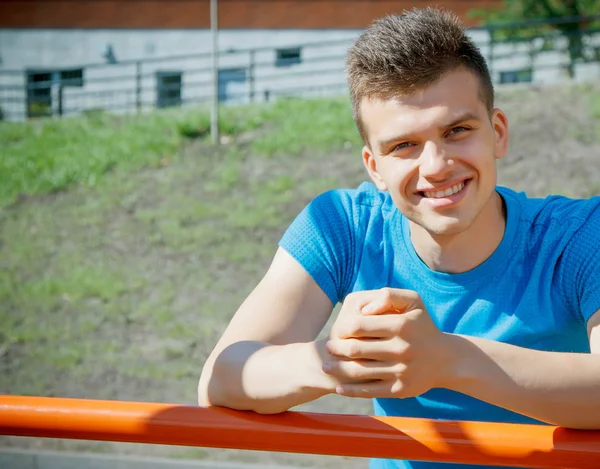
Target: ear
{"x": 502, "y": 140}
{"x": 371, "y": 167}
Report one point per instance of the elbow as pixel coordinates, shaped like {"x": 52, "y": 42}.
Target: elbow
{"x": 221, "y": 383}
{"x": 206, "y": 385}
{"x": 202, "y": 392}
{"x": 203, "y": 400}
{"x": 213, "y": 394}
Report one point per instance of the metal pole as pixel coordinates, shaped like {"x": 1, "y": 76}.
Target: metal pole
{"x": 138, "y": 86}
{"x": 214, "y": 115}
{"x": 502, "y": 444}
{"x": 251, "y": 75}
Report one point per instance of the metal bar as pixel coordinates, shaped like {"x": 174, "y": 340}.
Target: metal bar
{"x": 320, "y": 44}
{"x": 251, "y": 66}
{"x": 503, "y": 444}
{"x": 138, "y": 87}
{"x": 214, "y": 114}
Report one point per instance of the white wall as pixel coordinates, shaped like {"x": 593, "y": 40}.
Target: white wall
{"x": 56, "y": 49}
{"x": 115, "y": 86}
{"x": 21, "y": 48}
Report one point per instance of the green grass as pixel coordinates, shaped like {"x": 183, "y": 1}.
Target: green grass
{"x": 143, "y": 238}
{"x": 133, "y": 239}
{"x": 49, "y": 155}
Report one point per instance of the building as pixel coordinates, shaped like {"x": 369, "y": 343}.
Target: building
{"x": 66, "y": 56}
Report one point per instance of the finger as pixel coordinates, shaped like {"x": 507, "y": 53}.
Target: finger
{"x": 374, "y": 327}
{"x": 356, "y": 349}
{"x": 391, "y": 300}
{"x": 377, "y": 389}
{"x": 361, "y": 370}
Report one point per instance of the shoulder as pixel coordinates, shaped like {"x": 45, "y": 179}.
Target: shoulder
{"x": 327, "y": 237}
{"x": 365, "y": 195}
{"x": 360, "y": 205}
{"x": 563, "y": 214}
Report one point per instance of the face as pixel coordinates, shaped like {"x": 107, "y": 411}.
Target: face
{"x": 435, "y": 152}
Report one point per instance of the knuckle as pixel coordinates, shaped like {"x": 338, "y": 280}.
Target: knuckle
{"x": 386, "y": 294}
{"x": 332, "y": 347}
{"x": 398, "y": 387}
{"x": 353, "y": 297}
{"x": 357, "y": 371}
{"x": 399, "y": 370}
{"x": 354, "y": 326}
{"x": 350, "y": 297}
{"x": 353, "y": 349}
{"x": 399, "y": 348}
{"x": 416, "y": 298}
{"x": 398, "y": 325}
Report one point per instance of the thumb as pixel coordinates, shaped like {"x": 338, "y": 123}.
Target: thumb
{"x": 390, "y": 301}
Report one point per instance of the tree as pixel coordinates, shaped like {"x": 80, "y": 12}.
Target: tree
{"x": 571, "y": 18}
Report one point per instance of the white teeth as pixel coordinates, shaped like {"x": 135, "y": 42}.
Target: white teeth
{"x": 447, "y": 193}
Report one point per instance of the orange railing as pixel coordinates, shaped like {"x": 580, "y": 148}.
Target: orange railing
{"x": 299, "y": 432}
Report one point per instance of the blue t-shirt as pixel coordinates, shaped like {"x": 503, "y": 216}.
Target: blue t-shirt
{"x": 537, "y": 290}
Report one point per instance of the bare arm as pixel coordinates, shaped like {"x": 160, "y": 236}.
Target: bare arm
{"x": 406, "y": 355}
{"x": 559, "y": 388}
{"x": 268, "y": 360}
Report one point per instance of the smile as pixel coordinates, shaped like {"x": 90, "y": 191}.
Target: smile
{"x": 455, "y": 189}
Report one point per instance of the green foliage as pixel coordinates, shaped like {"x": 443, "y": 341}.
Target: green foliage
{"x": 48, "y": 155}
{"x": 149, "y": 259}
{"x": 556, "y": 12}
{"x": 522, "y": 10}
{"x": 120, "y": 289}
{"x": 548, "y": 17}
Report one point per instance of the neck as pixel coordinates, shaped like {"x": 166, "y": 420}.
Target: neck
{"x": 461, "y": 252}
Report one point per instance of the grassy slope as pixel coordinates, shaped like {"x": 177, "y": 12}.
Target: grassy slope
{"x": 126, "y": 245}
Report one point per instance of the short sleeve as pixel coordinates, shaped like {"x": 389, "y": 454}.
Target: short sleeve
{"x": 322, "y": 239}
{"x": 580, "y": 266}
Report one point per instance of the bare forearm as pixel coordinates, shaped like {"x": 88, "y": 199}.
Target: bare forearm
{"x": 265, "y": 378}
{"x": 558, "y": 388}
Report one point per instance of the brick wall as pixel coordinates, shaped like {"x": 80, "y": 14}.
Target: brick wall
{"x": 195, "y": 13}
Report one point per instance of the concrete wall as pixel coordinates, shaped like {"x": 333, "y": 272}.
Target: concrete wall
{"x": 248, "y": 64}
{"x": 115, "y": 85}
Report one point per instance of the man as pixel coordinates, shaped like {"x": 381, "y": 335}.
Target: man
{"x": 460, "y": 300}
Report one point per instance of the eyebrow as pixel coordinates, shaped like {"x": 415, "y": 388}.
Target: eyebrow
{"x": 465, "y": 116}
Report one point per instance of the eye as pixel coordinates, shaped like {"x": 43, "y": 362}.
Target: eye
{"x": 401, "y": 146}
{"x": 457, "y": 130}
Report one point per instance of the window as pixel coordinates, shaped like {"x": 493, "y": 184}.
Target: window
{"x": 39, "y": 88}
{"x": 39, "y": 94}
{"x": 287, "y": 57}
{"x": 516, "y": 76}
{"x": 168, "y": 89}
{"x": 232, "y": 85}
{"x": 73, "y": 77}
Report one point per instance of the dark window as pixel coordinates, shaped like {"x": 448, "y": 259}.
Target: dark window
{"x": 72, "y": 77}
{"x": 516, "y": 76}
{"x": 168, "y": 89}
{"x": 39, "y": 94}
{"x": 39, "y": 89}
{"x": 286, "y": 57}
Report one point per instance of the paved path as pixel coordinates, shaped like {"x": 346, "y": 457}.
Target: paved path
{"x": 25, "y": 459}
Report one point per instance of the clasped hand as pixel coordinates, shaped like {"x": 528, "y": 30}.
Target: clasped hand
{"x": 385, "y": 344}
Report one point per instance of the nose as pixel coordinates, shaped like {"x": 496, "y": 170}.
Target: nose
{"x": 434, "y": 163}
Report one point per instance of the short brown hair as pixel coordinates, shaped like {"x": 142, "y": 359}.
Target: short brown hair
{"x": 401, "y": 54}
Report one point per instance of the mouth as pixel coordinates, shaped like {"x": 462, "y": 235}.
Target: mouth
{"x": 445, "y": 193}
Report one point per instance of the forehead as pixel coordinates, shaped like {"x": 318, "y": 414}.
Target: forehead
{"x": 456, "y": 94}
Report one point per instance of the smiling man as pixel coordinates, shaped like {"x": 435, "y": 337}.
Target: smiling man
{"x": 460, "y": 300}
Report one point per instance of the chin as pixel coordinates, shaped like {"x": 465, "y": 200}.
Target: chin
{"x": 445, "y": 228}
